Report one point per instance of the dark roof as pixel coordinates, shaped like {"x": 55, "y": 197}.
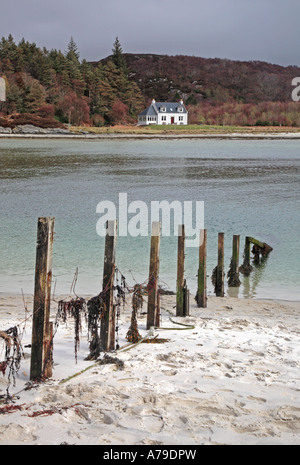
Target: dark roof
{"x": 155, "y": 108}
{"x": 171, "y": 107}
{"x": 150, "y": 111}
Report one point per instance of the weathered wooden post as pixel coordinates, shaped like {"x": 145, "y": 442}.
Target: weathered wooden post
{"x": 220, "y": 267}
{"x": 259, "y": 249}
{"x": 233, "y": 273}
{"x": 186, "y": 300}
{"x": 202, "y": 284}
{"x": 246, "y": 267}
{"x": 153, "y": 309}
{"x": 107, "y": 330}
{"x": 41, "y": 354}
{"x": 180, "y": 272}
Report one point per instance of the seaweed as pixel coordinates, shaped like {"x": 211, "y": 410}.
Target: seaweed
{"x": 233, "y": 276}
{"x": 133, "y": 334}
{"x": 73, "y": 308}
{"x": 13, "y": 355}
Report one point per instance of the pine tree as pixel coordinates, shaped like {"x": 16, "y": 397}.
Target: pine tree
{"x": 72, "y": 53}
{"x": 118, "y": 57}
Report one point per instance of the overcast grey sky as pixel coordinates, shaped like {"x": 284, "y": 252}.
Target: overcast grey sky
{"x": 266, "y": 30}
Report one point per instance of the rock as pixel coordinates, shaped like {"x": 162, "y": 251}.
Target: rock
{"x": 5, "y": 130}
{"x": 30, "y": 129}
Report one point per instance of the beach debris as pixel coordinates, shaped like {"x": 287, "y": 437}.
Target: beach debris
{"x": 108, "y": 360}
{"x": 13, "y": 355}
{"x": 10, "y": 409}
{"x": 96, "y": 309}
{"x": 74, "y": 308}
{"x": 155, "y": 340}
{"x": 260, "y": 249}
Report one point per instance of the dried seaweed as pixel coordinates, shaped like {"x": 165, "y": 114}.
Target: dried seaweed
{"x": 13, "y": 355}
{"x": 133, "y": 334}
{"x": 75, "y": 308}
{"x": 108, "y": 360}
{"x": 96, "y": 309}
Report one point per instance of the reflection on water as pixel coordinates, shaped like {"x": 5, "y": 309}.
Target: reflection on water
{"x": 249, "y": 188}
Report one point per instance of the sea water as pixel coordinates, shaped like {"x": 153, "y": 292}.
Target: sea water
{"x": 249, "y": 187}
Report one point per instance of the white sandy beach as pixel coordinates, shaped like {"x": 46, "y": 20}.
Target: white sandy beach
{"x": 232, "y": 379}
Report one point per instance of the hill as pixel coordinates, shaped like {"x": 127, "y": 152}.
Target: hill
{"x": 60, "y": 88}
{"x": 198, "y": 79}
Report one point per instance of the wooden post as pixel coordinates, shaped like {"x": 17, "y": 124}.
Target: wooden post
{"x": 186, "y": 300}
{"x": 158, "y": 316}
{"x": 48, "y": 348}
{"x": 107, "y": 330}
{"x": 153, "y": 276}
{"x": 41, "y": 335}
{"x": 233, "y": 273}
{"x": 246, "y": 267}
{"x": 202, "y": 285}
{"x": 247, "y": 250}
{"x": 180, "y": 272}
{"x": 220, "y": 267}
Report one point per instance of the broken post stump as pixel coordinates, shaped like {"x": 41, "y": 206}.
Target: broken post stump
{"x": 153, "y": 309}
{"x": 107, "y": 330}
{"x": 259, "y": 249}
{"x": 41, "y": 328}
{"x": 201, "y": 297}
{"x": 233, "y": 273}
{"x": 180, "y": 271}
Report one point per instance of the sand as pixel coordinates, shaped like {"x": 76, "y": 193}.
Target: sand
{"x": 232, "y": 378}
{"x": 175, "y": 135}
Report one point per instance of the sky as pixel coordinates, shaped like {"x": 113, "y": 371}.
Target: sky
{"x": 264, "y": 30}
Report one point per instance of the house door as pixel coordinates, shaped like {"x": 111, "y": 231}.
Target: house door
{"x": 172, "y": 120}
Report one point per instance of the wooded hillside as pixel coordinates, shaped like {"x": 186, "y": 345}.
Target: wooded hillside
{"x": 49, "y": 87}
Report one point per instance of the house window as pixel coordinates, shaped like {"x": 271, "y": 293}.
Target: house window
{"x": 180, "y": 118}
{"x": 163, "y": 108}
{"x": 164, "y": 118}
{"x": 180, "y": 109}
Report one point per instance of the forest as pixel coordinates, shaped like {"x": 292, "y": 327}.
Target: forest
{"x": 50, "y": 88}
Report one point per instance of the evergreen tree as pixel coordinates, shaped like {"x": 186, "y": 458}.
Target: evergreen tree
{"x": 72, "y": 53}
{"x": 118, "y": 57}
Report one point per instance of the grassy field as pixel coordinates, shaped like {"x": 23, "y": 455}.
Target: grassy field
{"x": 189, "y": 129}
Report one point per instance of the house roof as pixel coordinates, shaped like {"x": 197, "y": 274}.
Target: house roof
{"x": 150, "y": 111}
{"x": 157, "y": 107}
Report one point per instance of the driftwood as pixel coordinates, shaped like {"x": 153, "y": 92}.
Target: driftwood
{"x": 7, "y": 339}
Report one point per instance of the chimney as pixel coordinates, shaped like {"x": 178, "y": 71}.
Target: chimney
{"x": 153, "y": 102}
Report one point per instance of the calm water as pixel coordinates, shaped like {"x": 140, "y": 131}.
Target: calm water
{"x": 249, "y": 188}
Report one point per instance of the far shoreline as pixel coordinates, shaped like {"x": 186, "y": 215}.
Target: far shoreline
{"x": 126, "y": 136}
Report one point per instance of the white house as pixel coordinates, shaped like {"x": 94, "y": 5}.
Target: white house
{"x": 164, "y": 113}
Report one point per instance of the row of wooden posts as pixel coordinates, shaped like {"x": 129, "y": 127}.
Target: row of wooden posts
{"x": 42, "y": 330}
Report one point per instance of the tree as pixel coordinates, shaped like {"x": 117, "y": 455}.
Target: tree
{"x": 72, "y": 53}
{"x": 75, "y": 109}
{"x": 118, "y": 57}
{"x": 119, "y": 113}
{"x": 36, "y": 97}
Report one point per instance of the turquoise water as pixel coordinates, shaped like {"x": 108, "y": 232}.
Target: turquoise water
{"x": 249, "y": 188}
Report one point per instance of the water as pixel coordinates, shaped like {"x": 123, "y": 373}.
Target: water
{"x": 249, "y": 188}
